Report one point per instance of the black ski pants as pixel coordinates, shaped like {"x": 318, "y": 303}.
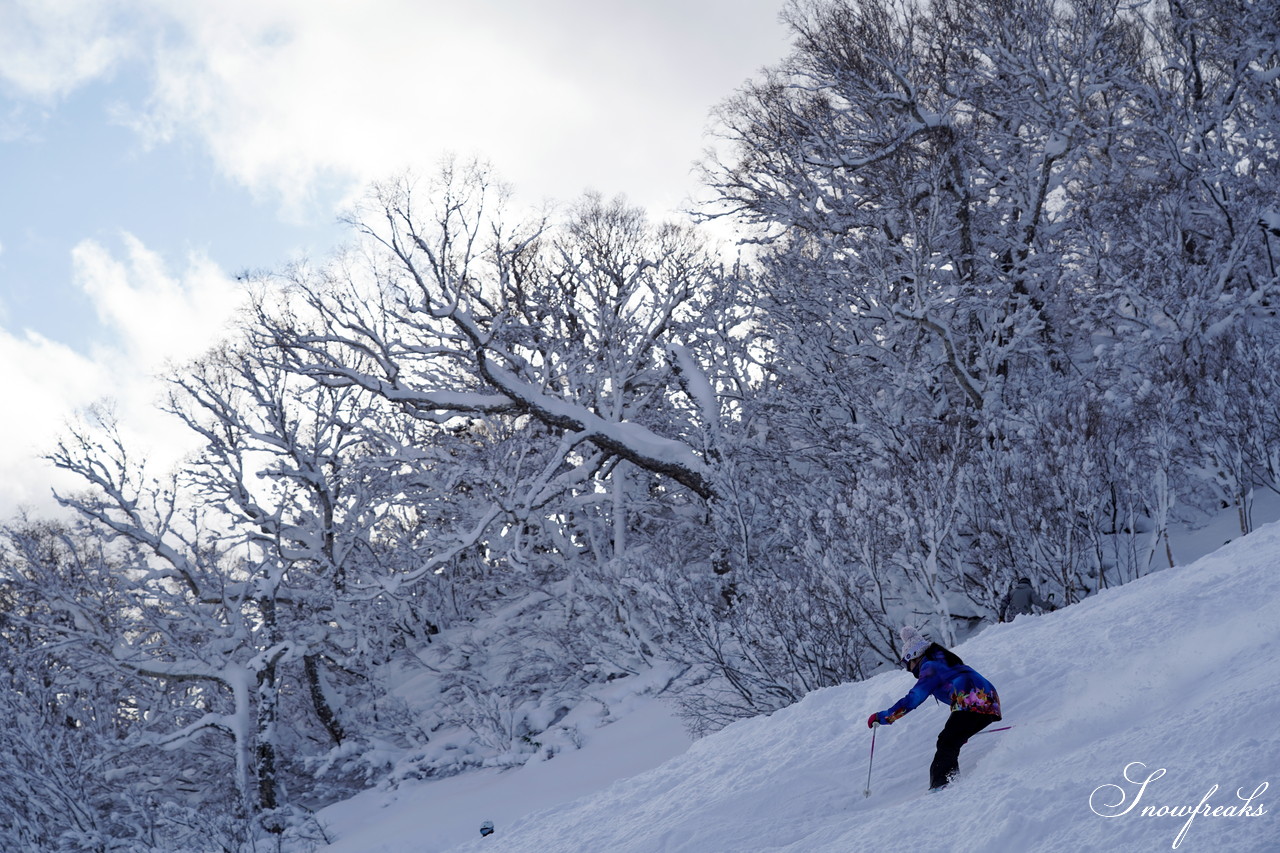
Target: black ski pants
{"x": 961, "y": 725}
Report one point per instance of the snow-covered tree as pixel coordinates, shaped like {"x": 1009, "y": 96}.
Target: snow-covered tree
{"x": 999, "y": 240}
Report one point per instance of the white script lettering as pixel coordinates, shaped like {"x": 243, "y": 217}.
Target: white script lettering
{"x": 1100, "y": 804}
{"x": 1155, "y": 774}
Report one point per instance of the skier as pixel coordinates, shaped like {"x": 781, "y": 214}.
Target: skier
{"x": 1019, "y": 599}
{"x": 940, "y": 673}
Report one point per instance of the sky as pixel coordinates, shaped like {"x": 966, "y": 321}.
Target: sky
{"x": 152, "y": 150}
{"x": 1172, "y": 680}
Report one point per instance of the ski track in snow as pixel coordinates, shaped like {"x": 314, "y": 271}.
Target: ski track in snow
{"x": 1178, "y": 671}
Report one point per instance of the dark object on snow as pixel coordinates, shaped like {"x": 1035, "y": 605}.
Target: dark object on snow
{"x": 1019, "y": 600}
{"x": 942, "y": 674}
{"x": 486, "y": 828}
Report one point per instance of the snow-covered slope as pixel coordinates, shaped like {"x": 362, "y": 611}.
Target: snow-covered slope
{"x": 1179, "y": 671}
{"x": 435, "y": 816}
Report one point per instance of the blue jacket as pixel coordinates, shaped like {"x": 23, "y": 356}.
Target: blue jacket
{"x": 960, "y": 686}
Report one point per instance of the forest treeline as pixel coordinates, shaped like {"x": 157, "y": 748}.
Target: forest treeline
{"x": 1005, "y": 304}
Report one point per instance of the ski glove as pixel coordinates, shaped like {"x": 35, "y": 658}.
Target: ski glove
{"x": 872, "y": 722}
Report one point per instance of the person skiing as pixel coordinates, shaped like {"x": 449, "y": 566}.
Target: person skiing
{"x": 1019, "y": 599}
{"x": 940, "y": 673}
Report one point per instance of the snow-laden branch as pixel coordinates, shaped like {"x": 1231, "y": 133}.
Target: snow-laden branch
{"x": 444, "y": 401}
{"x": 696, "y": 384}
{"x": 634, "y": 442}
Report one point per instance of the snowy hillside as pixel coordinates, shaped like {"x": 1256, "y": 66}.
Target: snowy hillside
{"x": 1179, "y": 671}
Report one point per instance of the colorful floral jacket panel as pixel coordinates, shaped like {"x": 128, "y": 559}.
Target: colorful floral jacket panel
{"x": 961, "y": 687}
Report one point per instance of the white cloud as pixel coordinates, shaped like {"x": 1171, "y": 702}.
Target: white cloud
{"x": 49, "y": 47}
{"x": 44, "y": 381}
{"x": 151, "y": 318}
{"x": 561, "y": 95}
{"x": 287, "y": 95}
